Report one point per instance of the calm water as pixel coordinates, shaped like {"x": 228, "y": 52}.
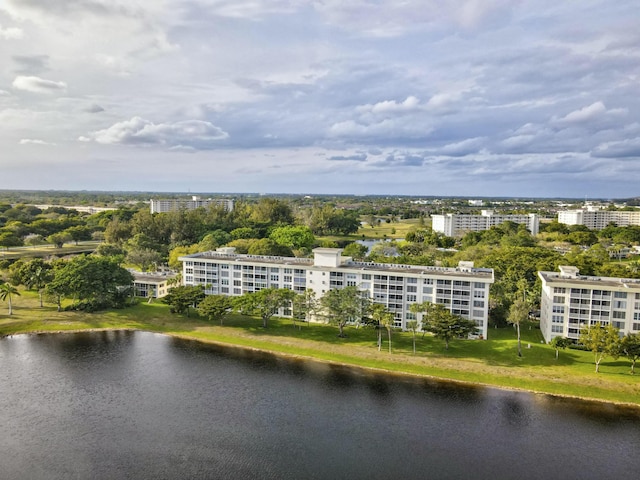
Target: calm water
{"x": 139, "y": 405}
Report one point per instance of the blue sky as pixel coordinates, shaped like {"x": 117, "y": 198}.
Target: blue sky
{"x": 420, "y": 97}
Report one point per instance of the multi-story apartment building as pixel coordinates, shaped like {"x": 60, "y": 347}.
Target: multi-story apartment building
{"x": 571, "y": 301}
{"x": 599, "y": 219}
{"x": 456, "y": 225}
{"x": 172, "y": 204}
{"x": 463, "y": 290}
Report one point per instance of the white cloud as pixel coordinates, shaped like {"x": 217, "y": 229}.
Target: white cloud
{"x": 38, "y": 85}
{"x": 196, "y": 134}
{"x": 584, "y": 114}
{"x": 410, "y": 104}
{"x": 35, "y": 141}
{"x": 11, "y": 33}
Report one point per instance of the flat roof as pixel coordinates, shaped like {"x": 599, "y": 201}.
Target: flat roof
{"x": 352, "y": 265}
{"x": 602, "y": 282}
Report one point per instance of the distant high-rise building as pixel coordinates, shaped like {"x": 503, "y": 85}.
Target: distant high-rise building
{"x": 456, "y": 225}
{"x": 172, "y": 204}
{"x": 598, "y": 219}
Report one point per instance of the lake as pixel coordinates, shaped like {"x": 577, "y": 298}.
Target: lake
{"x": 114, "y": 405}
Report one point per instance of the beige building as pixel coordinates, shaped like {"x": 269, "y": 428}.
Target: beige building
{"x": 463, "y": 290}
{"x": 150, "y": 285}
{"x": 571, "y": 301}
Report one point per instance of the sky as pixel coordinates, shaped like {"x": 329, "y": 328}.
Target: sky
{"x": 529, "y": 98}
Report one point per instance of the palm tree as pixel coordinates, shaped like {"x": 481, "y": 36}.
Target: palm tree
{"x": 38, "y": 279}
{"x": 6, "y": 290}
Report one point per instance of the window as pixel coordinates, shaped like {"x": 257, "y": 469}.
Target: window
{"x": 478, "y": 303}
{"x": 559, "y": 299}
{"x": 558, "y": 309}
{"x": 412, "y": 298}
{"x": 557, "y": 328}
{"x": 479, "y": 285}
{"x": 619, "y": 304}
{"x": 557, "y": 319}
{"x": 618, "y": 325}
{"x": 412, "y": 288}
{"x": 478, "y": 313}
{"x": 366, "y": 276}
{"x": 620, "y": 294}
{"x": 427, "y": 290}
{"x": 559, "y": 290}
{"x": 412, "y": 280}
{"x": 619, "y": 314}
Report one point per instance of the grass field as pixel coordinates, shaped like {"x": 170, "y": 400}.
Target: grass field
{"x": 491, "y": 362}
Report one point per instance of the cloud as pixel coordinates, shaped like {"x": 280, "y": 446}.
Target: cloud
{"x": 465, "y": 147}
{"x": 38, "y": 85}
{"x": 410, "y": 104}
{"x": 11, "y": 33}
{"x": 33, "y": 141}
{"x": 628, "y": 148}
{"x": 358, "y": 157}
{"x": 94, "y": 108}
{"x": 31, "y": 64}
{"x": 582, "y": 115}
{"x": 196, "y": 134}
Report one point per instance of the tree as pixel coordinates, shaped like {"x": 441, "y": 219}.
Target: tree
{"x": 630, "y": 347}
{"x": 215, "y": 307}
{"x": 424, "y": 310}
{"x": 79, "y": 233}
{"x": 264, "y": 303}
{"x": 34, "y": 274}
{"x": 182, "y": 298}
{"x": 356, "y": 251}
{"x": 58, "y": 239}
{"x": 447, "y": 326}
{"x": 345, "y": 305}
{"x": 6, "y": 291}
{"x": 560, "y": 343}
{"x": 378, "y": 314}
{"x": 94, "y": 282}
{"x": 600, "y": 340}
{"x": 388, "y": 322}
{"x": 10, "y": 239}
{"x": 305, "y": 305}
{"x": 294, "y": 237}
{"x": 518, "y": 314}
{"x": 412, "y": 326}
{"x": 144, "y": 258}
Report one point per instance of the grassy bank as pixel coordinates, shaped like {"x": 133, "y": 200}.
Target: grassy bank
{"x": 491, "y": 362}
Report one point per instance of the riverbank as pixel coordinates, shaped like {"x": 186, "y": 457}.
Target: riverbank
{"x": 491, "y": 363}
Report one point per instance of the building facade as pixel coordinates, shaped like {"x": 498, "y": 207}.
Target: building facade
{"x": 149, "y": 285}
{"x": 463, "y": 290}
{"x": 571, "y": 301}
{"x": 599, "y": 219}
{"x": 173, "y": 204}
{"x": 455, "y": 225}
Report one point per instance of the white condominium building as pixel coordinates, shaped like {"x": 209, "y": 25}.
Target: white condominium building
{"x": 598, "y": 219}
{"x": 571, "y": 301}
{"x": 455, "y": 225}
{"x": 463, "y": 290}
{"x": 172, "y": 204}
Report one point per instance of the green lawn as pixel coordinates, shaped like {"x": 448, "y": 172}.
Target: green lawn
{"x": 491, "y": 362}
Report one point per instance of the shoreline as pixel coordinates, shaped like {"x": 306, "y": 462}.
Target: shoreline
{"x": 278, "y": 353}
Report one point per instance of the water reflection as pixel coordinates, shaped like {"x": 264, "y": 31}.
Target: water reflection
{"x": 139, "y": 405}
